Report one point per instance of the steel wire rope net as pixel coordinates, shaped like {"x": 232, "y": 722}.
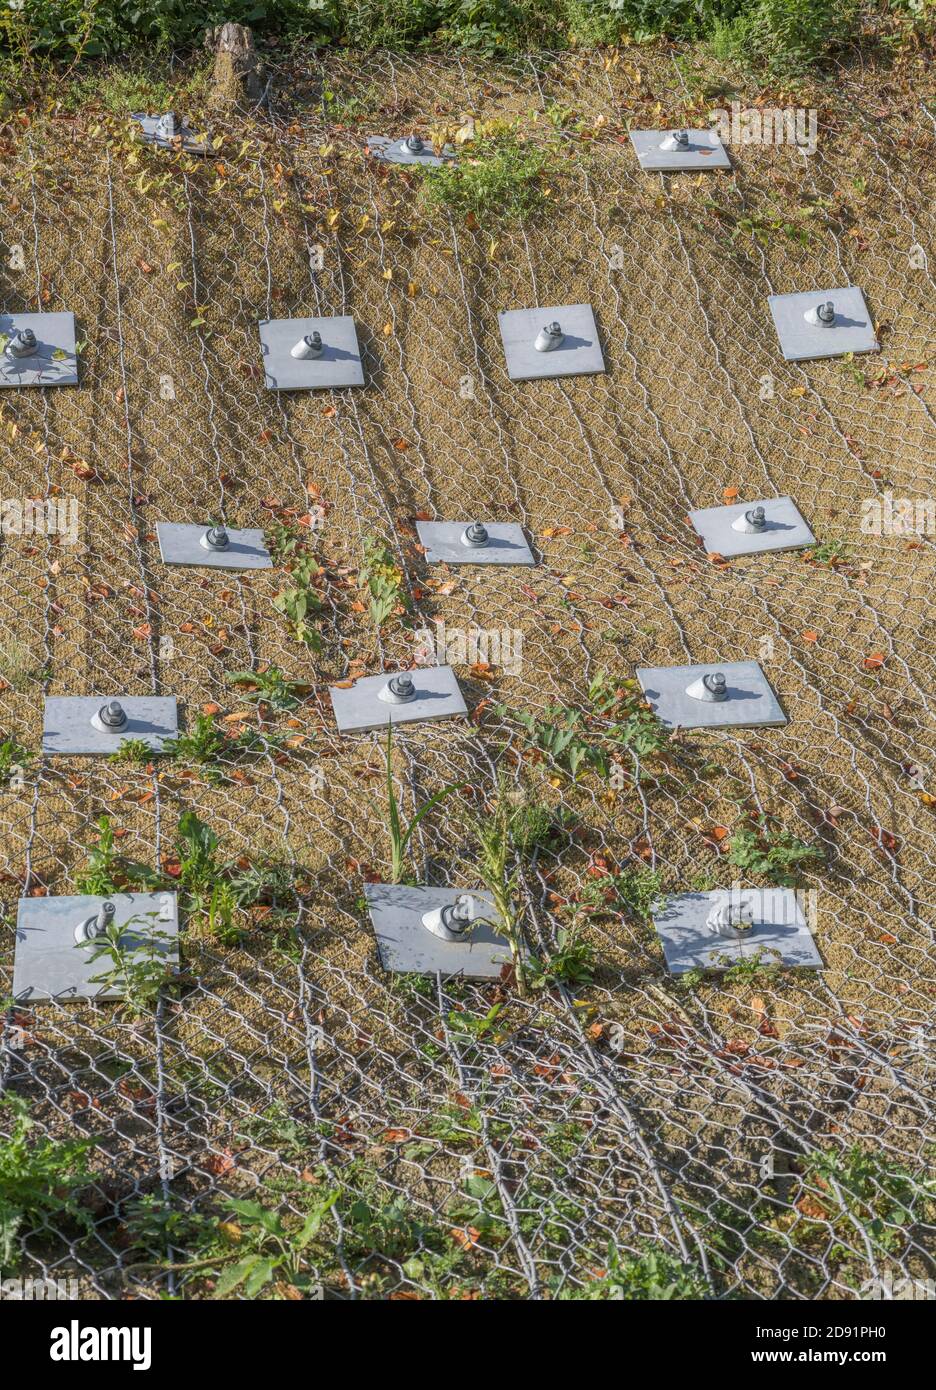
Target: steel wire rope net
{"x": 763, "y": 1134}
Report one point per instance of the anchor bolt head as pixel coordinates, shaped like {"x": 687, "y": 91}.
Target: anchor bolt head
{"x": 476, "y": 534}
{"x": 21, "y": 343}
{"x": 309, "y": 346}
{"x": 548, "y": 337}
{"x": 399, "y": 690}
{"x": 112, "y": 715}
{"x": 96, "y": 925}
{"x": 216, "y": 538}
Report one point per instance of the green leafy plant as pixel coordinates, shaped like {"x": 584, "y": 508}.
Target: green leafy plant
{"x": 535, "y": 825}
{"x": 107, "y": 871}
{"x": 497, "y": 178}
{"x": 270, "y": 687}
{"x": 222, "y": 912}
{"x": 137, "y": 963}
{"x": 14, "y": 758}
{"x": 635, "y": 891}
{"x": 40, "y": 1181}
{"x": 475, "y": 1027}
{"x": 651, "y": 1275}
{"x": 298, "y": 600}
{"x": 558, "y": 735}
{"x": 762, "y": 964}
{"x": 492, "y": 834}
{"x": 276, "y": 1248}
{"x": 256, "y": 1249}
{"x": 618, "y": 718}
{"x": 208, "y": 747}
{"x": 400, "y": 836}
{"x": 573, "y": 962}
{"x": 199, "y": 866}
{"x": 881, "y": 1195}
{"x": 382, "y": 577}
{"x": 762, "y": 845}
{"x": 135, "y": 751}
{"x": 829, "y": 553}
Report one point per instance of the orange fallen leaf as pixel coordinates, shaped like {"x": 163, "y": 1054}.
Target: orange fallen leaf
{"x": 810, "y": 636}
{"x": 873, "y": 662}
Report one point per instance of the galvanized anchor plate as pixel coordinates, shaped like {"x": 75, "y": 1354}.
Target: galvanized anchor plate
{"x": 185, "y": 138}
{"x": 395, "y": 150}
{"x": 405, "y": 944}
{"x": 505, "y": 545}
{"x": 778, "y": 933}
{"x": 579, "y": 353}
{"x": 359, "y": 707}
{"x": 705, "y": 151}
{"x": 339, "y": 364}
{"x": 55, "y": 360}
{"x": 68, "y": 728}
{"x": 802, "y": 341}
{"x": 784, "y": 527}
{"x": 750, "y": 700}
{"x": 51, "y": 963}
{"x": 181, "y": 544}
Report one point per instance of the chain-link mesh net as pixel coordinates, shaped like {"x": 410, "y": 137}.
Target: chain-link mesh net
{"x": 761, "y": 1133}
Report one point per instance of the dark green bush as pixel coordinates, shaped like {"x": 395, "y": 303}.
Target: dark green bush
{"x": 781, "y": 36}
{"x": 784, "y": 37}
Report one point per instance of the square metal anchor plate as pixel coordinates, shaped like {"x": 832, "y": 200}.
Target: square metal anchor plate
{"x": 67, "y": 726}
{"x": 339, "y": 365}
{"x": 181, "y": 544}
{"x": 358, "y": 708}
{"x": 785, "y": 528}
{"x": 705, "y": 151}
{"x": 779, "y": 931}
{"x": 800, "y": 341}
{"x": 750, "y": 699}
{"x": 187, "y": 139}
{"x": 405, "y": 945}
{"x": 393, "y": 150}
{"x": 579, "y": 353}
{"x": 506, "y": 544}
{"x": 55, "y": 362}
{"x": 50, "y": 964}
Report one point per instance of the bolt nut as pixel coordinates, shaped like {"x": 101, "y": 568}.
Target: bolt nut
{"x": 21, "y": 343}
{"x": 676, "y": 140}
{"x": 821, "y": 315}
{"x": 96, "y": 925}
{"x": 453, "y": 922}
{"x": 711, "y": 687}
{"x": 475, "y": 535}
{"x": 413, "y": 144}
{"x": 216, "y": 538}
{"x": 168, "y": 126}
{"x": 309, "y": 346}
{"x": 548, "y": 338}
{"x": 112, "y": 716}
{"x": 732, "y": 920}
{"x": 755, "y": 519}
{"x": 399, "y": 690}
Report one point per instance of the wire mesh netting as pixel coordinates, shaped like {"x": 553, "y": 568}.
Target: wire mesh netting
{"x": 757, "y": 1133}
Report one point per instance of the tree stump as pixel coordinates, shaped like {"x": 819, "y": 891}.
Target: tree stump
{"x": 236, "y": 77}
